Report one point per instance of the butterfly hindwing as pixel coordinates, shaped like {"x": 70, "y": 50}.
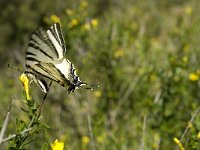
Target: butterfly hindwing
{"x": 41, "y": 82}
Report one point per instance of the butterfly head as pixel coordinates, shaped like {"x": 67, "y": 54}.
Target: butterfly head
{"x": 78, "y": 84}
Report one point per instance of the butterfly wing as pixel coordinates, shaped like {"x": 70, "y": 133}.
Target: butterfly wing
{"x": 46, "y": 46}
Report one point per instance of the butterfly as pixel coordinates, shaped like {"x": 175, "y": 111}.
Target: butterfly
{"x": 45, "y": 60}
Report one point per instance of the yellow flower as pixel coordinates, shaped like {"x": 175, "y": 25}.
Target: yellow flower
{"x": 87, "y": 26}
{"x": 97, "y": 94}
{"x": 188, "y": 10}
{"x": 57, "y": 145}
{"x": 178, "y": 142}
{"x": 24, "y": 79}
{"x": 55, "y": 18}
{"x": 84, "y": 4}
{"x": 73, "y": 22}
{"x": 119, "y": 53}
{"x": 94, "y": 22}
{"x": 193, "y": 77}
{"x": 198, "y": 135}
{"x": 69, "y": 12}
{"x": 85, "y": 139}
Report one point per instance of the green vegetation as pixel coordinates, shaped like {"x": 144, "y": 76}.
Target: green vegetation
{"x": 144, "y": 55}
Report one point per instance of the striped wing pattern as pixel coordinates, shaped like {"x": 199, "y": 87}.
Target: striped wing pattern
{"x": 45, "y": 59}
{"x": 46, "y": 46}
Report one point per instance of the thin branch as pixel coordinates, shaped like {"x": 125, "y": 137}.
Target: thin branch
{"x": 38, "y": 112}
{"x": 90, "y": 132}
{"x": 5, "y": 123}
{"x": 191, "y": 120}
{"x": 14, "y": 135}
{"x": 157, "y": 96}
{"x": 143, "y": 133}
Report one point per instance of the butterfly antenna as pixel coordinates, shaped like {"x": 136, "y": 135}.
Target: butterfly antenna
{"x": 89, "y": 86}
{"x": 16, "y": 69}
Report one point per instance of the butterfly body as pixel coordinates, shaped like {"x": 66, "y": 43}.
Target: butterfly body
{"x": 45, "y": 59}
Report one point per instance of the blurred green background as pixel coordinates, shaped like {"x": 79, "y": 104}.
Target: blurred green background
{"x": 144, "y": 55}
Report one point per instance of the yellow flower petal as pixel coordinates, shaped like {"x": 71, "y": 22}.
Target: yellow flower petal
{"x": 73, "y": 22}
{"x": 178, "y": 142}
{"x": 198, "y": 135}
{"x": 87, "y": 26}
{"x": 24, "y": 79}
{"x": 57, "y": 145}
{"x": 193, "y": 77}
{"x": 85, "y": 139}
{"x": 55, "y": 18}
{"x": 94, "y": 22}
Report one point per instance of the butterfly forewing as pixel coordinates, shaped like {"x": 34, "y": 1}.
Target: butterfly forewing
{"x": 56, "y": 31}
{"x": 46, "y": 46}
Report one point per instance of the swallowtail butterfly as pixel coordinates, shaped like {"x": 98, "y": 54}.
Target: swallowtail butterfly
{"x": 45, "y": 59}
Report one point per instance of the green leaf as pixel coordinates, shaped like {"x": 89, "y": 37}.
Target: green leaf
{"x": 20, "y": 125}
